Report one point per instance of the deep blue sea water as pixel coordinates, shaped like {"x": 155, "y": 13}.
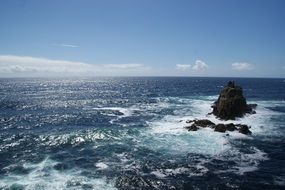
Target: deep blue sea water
{"x": 126, "y": 133}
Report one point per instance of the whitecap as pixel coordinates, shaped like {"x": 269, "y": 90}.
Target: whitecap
{"x": 279, "y": 180}
{"x": 44, "y": 176}
{"x": 101, "y": 165}
{"x": 125, "y": 111}
{"x": 246, "y": 162}
{"x": 158, "y": 174}
{"x": 170, "y": 136}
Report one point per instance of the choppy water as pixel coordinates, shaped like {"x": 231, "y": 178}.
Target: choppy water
{"x": 125, "y": 133}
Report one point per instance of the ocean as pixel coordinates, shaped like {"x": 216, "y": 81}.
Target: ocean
{"x": 127, "y": 133}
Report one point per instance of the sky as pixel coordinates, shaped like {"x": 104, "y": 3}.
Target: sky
{"x": 218, "y": 38}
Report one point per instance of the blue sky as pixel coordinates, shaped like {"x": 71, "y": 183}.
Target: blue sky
{"x": 241, "y": 38}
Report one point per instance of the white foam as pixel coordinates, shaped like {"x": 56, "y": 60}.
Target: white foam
{"x": 247, "y": 162}
{"x": 125, "y": 111}
{"x": 162, "y": 173}
{"x": 168, "y": 134}
{"x": 9, "y": 145}
{"x": 122, "y": 157}
{"x": 176, "y": 171}
{"x": 44, "y": 176}
{"x": 198, "y": 170}
{"x": 279, "y": 180}
{"x": 158, "y": 174}
{"x": 74, "y": 138}
{"x": 101, "y": 165}
{"x": 200, "y": 108}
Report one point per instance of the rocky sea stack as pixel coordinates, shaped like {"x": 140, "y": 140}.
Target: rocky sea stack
{"x": 231, "y": 103}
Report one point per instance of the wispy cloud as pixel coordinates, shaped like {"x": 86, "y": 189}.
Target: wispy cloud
{"x": 11, "y": 66}
{"x": 200, "y": 66}
{"x": 124, "y": 66}
{"x": 183, "y": 67}
{"x": 242, "y": 66}
{"x": 66, "y": 45}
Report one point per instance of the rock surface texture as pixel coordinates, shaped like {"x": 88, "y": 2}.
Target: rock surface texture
{"x": 231, "y": 103}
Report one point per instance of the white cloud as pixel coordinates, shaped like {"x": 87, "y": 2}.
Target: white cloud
{"x": 242, "y": 66}
{"x": 183, "y": 67}
{"x": 200, "y": 66}
{"x": 23, "y": 66}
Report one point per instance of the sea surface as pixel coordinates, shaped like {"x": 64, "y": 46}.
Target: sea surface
{"x": 127, "y": 133}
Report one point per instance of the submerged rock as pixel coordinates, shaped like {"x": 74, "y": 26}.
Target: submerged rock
{"x": 231, "y": 103}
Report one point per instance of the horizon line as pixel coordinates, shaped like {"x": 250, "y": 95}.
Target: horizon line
{"x": 118, "y": 76}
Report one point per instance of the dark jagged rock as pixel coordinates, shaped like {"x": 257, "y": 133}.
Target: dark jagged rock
{"x": 220, "y": 128}
{"x": 201, "y": 122}
{"x": 231, "y": 103}
{"x": 204, "y": 123}
{"x": 244, "y": 129}
{"x": 250, "y": 108}
{"x": 192, "y": 127}
{"x": 231, "y": 127}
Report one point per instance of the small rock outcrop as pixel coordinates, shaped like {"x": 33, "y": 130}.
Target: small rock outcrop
{"x": 244, "y": 129}
{"x": 222, "y": 128}
{"x": 231, "y": 103}
{"x": 201, "y": 122}
{"x": 192, "y": 127}
{"x": 196, "y": 124}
